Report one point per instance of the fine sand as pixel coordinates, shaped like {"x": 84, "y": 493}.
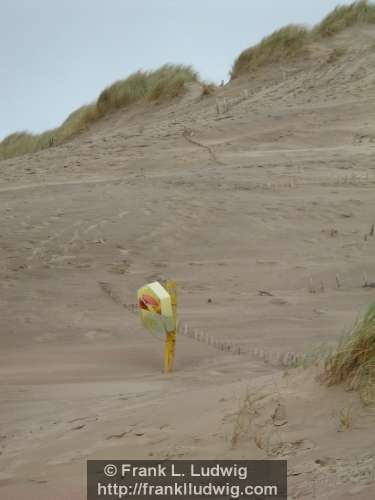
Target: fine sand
{"x": 259, "y": 202}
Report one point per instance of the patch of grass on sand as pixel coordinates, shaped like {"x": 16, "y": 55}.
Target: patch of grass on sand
{"x": 353, "y": 362}
{"x": 164, "y": 83}
{"x": 21, "y": 143}
{"x": 281, "y": 45}
{"x": 244, "y": 416}
{"x": 293, "y": 40}
{"x": 344, "y": 16}
{"x": 345, "y": 419}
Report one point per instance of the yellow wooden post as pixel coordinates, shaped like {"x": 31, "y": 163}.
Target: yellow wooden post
{"x": 170, "y": 338}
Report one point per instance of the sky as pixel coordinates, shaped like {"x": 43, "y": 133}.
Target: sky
{"x": 58, "y": 55}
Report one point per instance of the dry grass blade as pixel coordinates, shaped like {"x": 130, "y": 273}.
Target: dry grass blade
{"x": 346, "y": 419}
{"x": 244, "y": 416}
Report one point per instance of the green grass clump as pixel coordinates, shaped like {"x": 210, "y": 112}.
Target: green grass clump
{"x": 344, "y": 16}
{"x": 169, "y": 81}
{"x": 293, "y": 40}
{"x": 283, "y": 44}
{"x": 353, "y": 363}
{"x": 123, "y": 92}
{"x": 21, "y": 143}
{"x": 164, "y": 83}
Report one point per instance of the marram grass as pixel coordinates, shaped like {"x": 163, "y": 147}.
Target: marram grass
{"x": 344, "y": 16}
{"x": 293, "y": 40}
{"x": 281, "y": 45}
{"x": 162, "y": 84}
{"x": 169, "y": 80}
{"x": 353, "y": 363}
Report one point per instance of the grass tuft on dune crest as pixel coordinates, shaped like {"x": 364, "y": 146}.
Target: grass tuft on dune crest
{"x": 344, "y": 16}
{"x": 162, "y": 84}
{"x": 283, "y": 44}
{"x": 353, "y": 362}
{"x": 293, "y": 40}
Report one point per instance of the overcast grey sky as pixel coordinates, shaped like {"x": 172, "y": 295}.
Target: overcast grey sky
{"x": 57, "y": 55}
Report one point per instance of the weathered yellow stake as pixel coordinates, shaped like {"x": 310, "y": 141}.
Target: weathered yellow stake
{"x": 170, "y": 339}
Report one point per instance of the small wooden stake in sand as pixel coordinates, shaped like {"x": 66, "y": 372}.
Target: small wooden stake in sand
{"x": 157, "y": 307}
{"x": 338, "y": 281}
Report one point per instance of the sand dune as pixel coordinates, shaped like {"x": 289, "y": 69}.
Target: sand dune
{"x": 275, "y": 194}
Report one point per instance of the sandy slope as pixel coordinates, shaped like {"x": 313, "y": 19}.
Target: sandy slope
{"x": 276, "y": 193}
